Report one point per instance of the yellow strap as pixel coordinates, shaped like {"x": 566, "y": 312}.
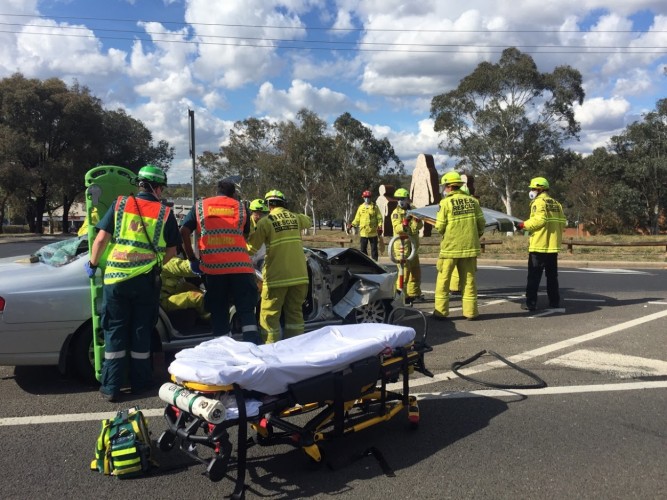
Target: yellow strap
{"x": 123, "y": 463}
{"x": 126, "y": 451}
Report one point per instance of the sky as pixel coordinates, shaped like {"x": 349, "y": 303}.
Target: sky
{"x": 380, "y": 60}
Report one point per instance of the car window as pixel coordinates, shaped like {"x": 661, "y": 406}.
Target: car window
{"x": 60, "y": 253}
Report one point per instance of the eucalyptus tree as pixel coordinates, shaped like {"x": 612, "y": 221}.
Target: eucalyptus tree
{"x": 504, "y": 118}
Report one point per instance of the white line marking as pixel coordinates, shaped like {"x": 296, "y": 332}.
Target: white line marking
{"x": 595, "y": 270}
{"x": 585, "y": 300}
{"x": 548, "y": 312}
{"x": 541, "y": 351}
{"x": 490, "y": 393}
{"x": 619, "y": 365}
{"x": 547, "y": 391}
{"x": 658, "y": 303}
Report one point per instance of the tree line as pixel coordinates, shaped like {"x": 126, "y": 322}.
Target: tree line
{"x": 51, "y": 134}
{"x": 505, "y": 123}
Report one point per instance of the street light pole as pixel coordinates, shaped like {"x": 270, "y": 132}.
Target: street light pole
{"x": 191, "y": 117}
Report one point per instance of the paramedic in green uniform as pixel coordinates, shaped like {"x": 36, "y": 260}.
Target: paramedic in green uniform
{"x": 143, "y": 234}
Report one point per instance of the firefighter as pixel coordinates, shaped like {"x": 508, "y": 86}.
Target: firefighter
{"x": 285, "y": 273}
{"x": 369, "y": 221}
{"x": 461, "y": 222}
{"x": 258, "y": 209}
{"x": 177, "y": 293}
{"x": 404, "y": 224}
{"x": 145, "y": 237}
{"x": 545, "y": 225}
{"x": 223, "y": 224}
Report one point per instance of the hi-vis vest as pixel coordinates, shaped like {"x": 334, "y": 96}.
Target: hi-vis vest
{"x": 546, "y": 224}
{"x": 222, "y": 246}
{"x": 132, "y": 254}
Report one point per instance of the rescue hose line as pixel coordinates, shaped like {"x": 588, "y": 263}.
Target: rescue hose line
{"x": 539, "y": 383}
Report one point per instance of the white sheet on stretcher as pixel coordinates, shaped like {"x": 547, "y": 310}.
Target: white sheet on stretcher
{"x": 271, "y": 368}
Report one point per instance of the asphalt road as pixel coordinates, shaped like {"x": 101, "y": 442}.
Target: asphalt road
{"x": 599, "y": 430}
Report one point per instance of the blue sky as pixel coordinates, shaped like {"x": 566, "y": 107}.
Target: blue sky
{"x": 380, "y": 60}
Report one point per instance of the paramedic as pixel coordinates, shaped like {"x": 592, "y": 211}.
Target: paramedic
{"x": 222, "y": 223}
{"x": 285, "y": 273}
{"x": 407, "y": 225}
{"x": 545, "y": 225}
{"x": 461, "y": 222}
{"x": 369, "y": 221}
{"x": 145, "y": 237}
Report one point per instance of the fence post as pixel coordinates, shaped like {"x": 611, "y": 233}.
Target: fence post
{"x": 570, "y": 247}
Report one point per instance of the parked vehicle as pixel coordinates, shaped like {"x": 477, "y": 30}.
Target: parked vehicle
{"x": 45, "y": 311}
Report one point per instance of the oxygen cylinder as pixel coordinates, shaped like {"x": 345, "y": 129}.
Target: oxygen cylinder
{"x": 211, "y": 410}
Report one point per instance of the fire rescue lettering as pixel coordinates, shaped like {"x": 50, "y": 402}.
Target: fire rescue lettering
{"x": 119, "y": 255}
{"x": 284, "y": 221}
{"x": 462, "y": 206}
{"x": 220, "y": 211}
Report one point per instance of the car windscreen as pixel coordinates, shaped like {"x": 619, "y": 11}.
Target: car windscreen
{"x": 60, "y": 253}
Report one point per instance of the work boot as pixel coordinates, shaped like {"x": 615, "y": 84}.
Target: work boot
{"x": 111, "y": 398}
{"x": 528, "y": 307}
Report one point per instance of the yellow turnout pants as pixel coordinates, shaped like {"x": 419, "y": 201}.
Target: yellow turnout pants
{"x": 468, "y": 283}
{"x": 287, "y": 299}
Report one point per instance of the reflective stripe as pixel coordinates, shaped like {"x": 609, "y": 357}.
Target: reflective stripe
{"x": 123, "y": 463}
{"x": 114, "y": 355}
{"x": 249, "y": 328}
{"x": 127, "y": 451}
{"x": 140, "y": 355}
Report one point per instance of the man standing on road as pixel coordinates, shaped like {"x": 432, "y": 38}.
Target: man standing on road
{"x": 369, "y": 221}
{"x": 461, "y": 222}
{"x": 285, "y": 273}
{"x": 545, "y": 225}
{"x": 144, "y": 236}
{"x": 222, "y": 223}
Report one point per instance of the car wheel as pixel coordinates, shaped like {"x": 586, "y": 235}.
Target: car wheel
{"x": 373, "y": 312}
{"x": 83, "y": 357}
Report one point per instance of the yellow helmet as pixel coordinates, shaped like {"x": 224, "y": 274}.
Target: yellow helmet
{"x": 401, "y": 193}
{"x": 452, "y": 178}
{"x": 274, "y": 195}
{"x": 259, "y": 205}
{"x": 539, "y": 183}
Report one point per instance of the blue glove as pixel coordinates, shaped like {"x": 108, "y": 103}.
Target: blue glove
{"x": 194, "y": 267}
{"x": 90, "y": 269}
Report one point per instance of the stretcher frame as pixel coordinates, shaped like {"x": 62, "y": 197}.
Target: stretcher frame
{"x": 342, "y": 402}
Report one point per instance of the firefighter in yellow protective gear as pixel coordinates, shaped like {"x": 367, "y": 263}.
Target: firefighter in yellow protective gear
{"x": 285, "y": 272}
{"x": 178, "y": 293}
{"x": 258, "y": 209}
{"x": 454, "y": 283}
{"x": 369, "y": 221}
{"x": 546, "y": 225}
{"x": 404, "y": 224}
{"x": 461, "y": 222}
{"x": 94, "y": 219}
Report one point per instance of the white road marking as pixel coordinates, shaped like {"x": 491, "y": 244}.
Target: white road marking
{"x": 596, "y": 270}
{"x": 619, "y": 365}
{"x": 548, "y": 312}
{"x": 540, "y": 351}
{"x": 489, "y": 393}
{"x": 658, "y": 303}
{"x": 585, "y": 300}
{"x": 546, "y": 391}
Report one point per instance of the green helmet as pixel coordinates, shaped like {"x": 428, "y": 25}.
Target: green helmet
{"x": 258, "y": 205}
{"x": 274, "y": 195}
{"x": 153, "y": 174}
{"x": 451, "y": 178}
{"x": 401, "y": 193}
{"x": 539, "y": 183}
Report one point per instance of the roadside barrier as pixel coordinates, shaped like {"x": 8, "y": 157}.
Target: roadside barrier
{"x": 571, "y": 244}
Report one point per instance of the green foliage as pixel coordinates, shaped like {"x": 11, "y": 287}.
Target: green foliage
{"x": 504, "y": 119}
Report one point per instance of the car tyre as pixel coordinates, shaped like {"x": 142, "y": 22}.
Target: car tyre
{"x": 375, "y": 312}
{"x": 82, "y": 354}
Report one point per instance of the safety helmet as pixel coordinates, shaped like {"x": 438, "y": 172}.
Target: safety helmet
{"x": 401, "y": 193}
{"x": 539, "y": 183}
{"x": 258, "y": 205}
{"x": 451, "y": 178}
{"x": 153, "y": 174}
{"x": 366, "y": 194}
{"x": 274, "y": 195}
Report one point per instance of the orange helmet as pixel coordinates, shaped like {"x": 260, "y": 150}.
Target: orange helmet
{"x": 366, "y": 194}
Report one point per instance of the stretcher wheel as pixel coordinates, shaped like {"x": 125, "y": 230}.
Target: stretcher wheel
{"x": 413, "y": 413}
{"x": 166, "y": 441}
{"x": 312, "y": 463}
{"x": 264, "y": 432}
{"x": 217, "y": 468}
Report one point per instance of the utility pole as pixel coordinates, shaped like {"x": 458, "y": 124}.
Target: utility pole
{"x": 191, "y": 117}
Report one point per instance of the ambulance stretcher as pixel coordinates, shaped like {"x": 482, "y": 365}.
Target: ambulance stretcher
{"x": 337, "y": 374}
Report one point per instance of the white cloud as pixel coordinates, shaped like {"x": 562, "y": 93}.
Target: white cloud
{"x": 599, "y": 113}
{"x": 285, "y": 104}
